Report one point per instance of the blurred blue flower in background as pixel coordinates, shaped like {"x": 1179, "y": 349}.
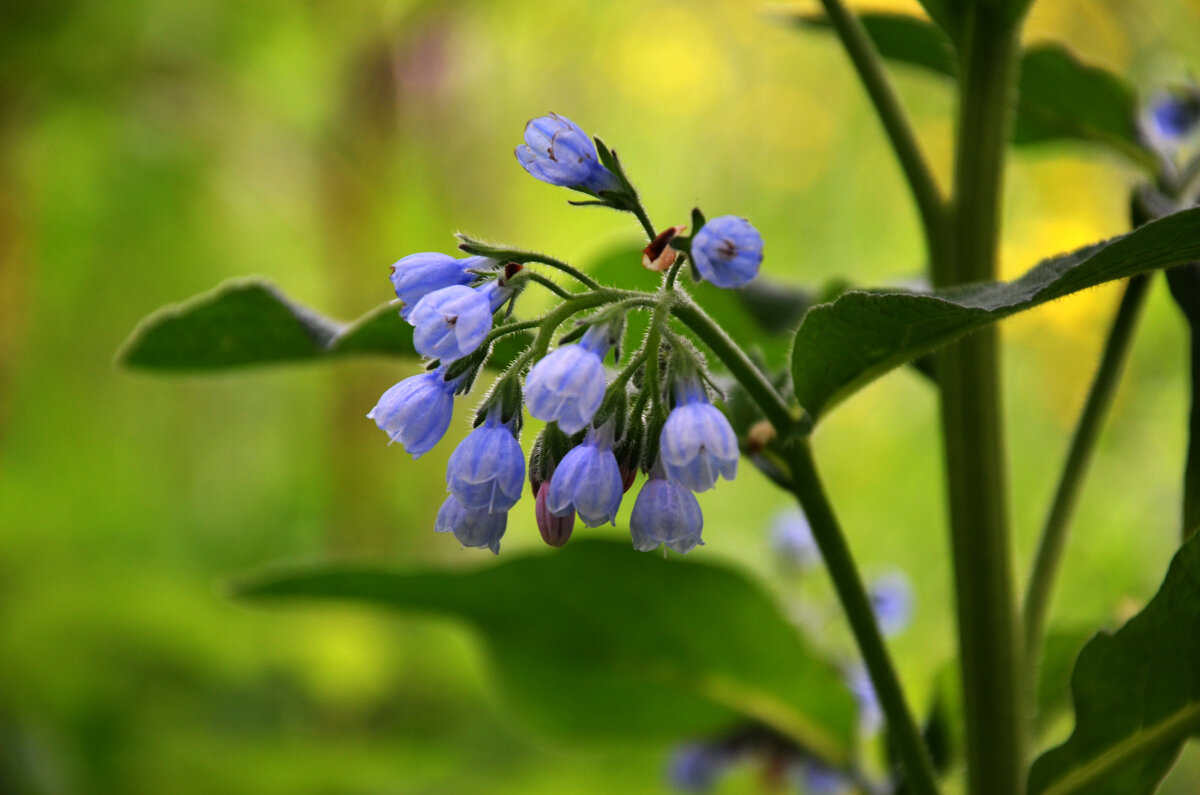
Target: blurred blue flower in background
{"x": 791, "y": 540}
{"x": 892, "y": 600}
{"x": 696, "y": 767}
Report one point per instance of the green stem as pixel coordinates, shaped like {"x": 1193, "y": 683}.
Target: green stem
{"x": 558, "y": 264}
{"x": 643, "y": 218}
{"x": 547, "y": 283}
{"x": 577, "y": 303}
{"x": 806, "y": 485}
{"x": 1083, "y": 444}
{"x": 928, "y": 196}
{"x": 740, "y": 367}
{"x": 510, "y": 328}
{"x": 972, "y": 423}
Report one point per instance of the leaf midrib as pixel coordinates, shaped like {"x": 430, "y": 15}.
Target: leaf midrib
{"x": 1136, "y": 745}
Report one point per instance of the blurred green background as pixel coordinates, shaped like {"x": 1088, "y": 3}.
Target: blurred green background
{"x": 150, "y": 150}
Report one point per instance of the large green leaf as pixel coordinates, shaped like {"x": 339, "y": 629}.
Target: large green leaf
{"x": 843, "y": 345}
{"x": 1059, "y": 97}
{"x": 250, "y": 322}
{"x": 599, "y": 641}
{"x": 1136, "y": 694}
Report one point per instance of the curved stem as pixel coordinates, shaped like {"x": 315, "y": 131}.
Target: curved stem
{"x": 928, "y": 196}
{"x": 558, "y": 264}
{"x": 576, "y": 303}
{"x": 748, "y": 375}
{"x": 806, "y": 486}
{"x": 549, "y": 284}
{"x": 510, "y": 328}
{"x": 643, "y": 219}
{"x": 1083, "y": 444}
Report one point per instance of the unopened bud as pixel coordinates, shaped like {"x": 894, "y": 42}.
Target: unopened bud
{"x": 658, "y": 256}
{"x": 761, "y": 434}
{"x": 555, "y": 530}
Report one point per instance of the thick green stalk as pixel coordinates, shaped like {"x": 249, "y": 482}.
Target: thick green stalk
{"x": 972, "y": 422}
{"x": 1083, "y": 443}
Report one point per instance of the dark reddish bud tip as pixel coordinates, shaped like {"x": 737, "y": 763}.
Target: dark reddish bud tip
{"x": 628, "y": 475}
{"x": 555, "y": 530}
{"x": 658, "y": 256}
{"x": 512, "y": 269}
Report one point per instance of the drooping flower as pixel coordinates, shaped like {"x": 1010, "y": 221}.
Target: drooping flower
{"x": 588, "y": 481}
{"x": 471, "y": 528}
{"x": 557, "y": 151}
{"x": 891, "y": 599}
{"x": 727, "y": 251}
{"x": 487, "y": 470}
{"x": 792, "y": 540}
{"x": 416, "y": 412}
{"x": 665, "y": 513}
{"x": 567, "y": 386}
{"x": 453, "y": 321}
{"x": 695, "y": 767}
{"x": 418, "y": 275}
{"x": 697, "y": 443}
{"x": 555, "y": 530}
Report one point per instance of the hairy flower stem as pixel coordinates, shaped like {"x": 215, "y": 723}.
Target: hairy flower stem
{"x": 806, "y": 486}
{"x": 990, "y": 651}
{"x": 559, "y": 265}
{"x": 1083, "y": 443}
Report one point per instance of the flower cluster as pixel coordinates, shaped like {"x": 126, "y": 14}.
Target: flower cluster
{"x": 602, "y": 427}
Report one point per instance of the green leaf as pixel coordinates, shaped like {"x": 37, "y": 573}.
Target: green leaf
{"x": 600, "y": 642}
{"x": 901, "y": 38}
{"x": 1059, "y": 652}
{"x": 1136, "y": 695}
{"x": 249, "y": 322}
{"x": 842, "y": 346}
{"x": 1059, "y": 97}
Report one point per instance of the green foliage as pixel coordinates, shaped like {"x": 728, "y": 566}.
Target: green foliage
{"x": 842, "y": 346}
{"x": 1136, "y": 695}
{"x": 1185, "y": 289}
{"x": 646, "y": 648}
{"x": 1059, "y": 97}
{"x": 250, "y": 322}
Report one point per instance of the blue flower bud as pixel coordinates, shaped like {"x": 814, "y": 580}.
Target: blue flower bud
{"x": 697, "y": 442}
{"x": 471, "y": 528}
{"x": 453, "y": 321}
{"x": 567, "y": 386}
{"x": 870, "y": 714}
{"x": 588, "y": 481}
{"x": 665, "y": 513}
{"x": 819, "y": 779}
{"x": 416, "y": 412}
{"x": 487, "y": 470}
{"x": 559, "y": 152}
{"x": 792, "y": 540}
{"x": 891, "y": 598}
{"x": 696, "y": 767}
{"x": 418, "y": 275}
{"x": 727, "y": 251}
